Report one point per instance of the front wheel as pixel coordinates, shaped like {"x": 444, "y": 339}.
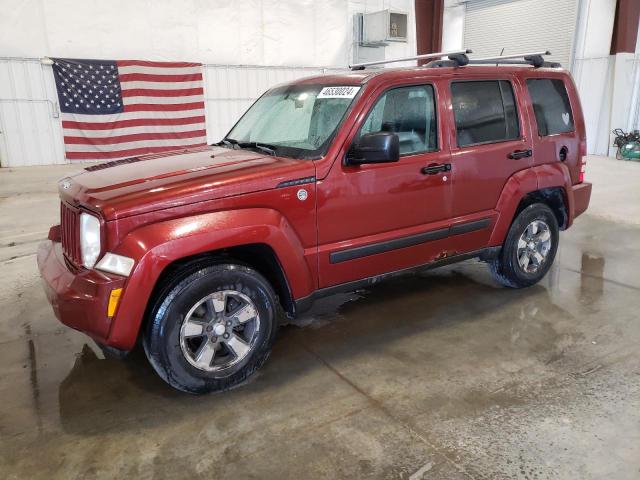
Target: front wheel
{"x": 212, "y": 328}
{"x": 529, "y": 249}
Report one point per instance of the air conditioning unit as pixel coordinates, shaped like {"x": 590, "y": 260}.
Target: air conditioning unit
{"x": 380, "y": 28}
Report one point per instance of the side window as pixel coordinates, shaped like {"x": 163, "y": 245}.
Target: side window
{"x": 408, "y": 112}
{"x": 551, "y": 106}
{"x": 484, "y": 111}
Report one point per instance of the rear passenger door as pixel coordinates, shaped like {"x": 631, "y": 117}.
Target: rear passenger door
{"x": 489, "y": 144}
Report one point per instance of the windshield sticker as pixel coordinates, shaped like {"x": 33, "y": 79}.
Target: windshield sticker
{"x": 338, "y": 92}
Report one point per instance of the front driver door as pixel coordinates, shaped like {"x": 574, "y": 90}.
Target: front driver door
{"x": 378, "y": 218}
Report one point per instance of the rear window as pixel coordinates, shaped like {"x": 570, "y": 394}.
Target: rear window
{"x": 484, "y": 112}
{"x": 551, "y": 106}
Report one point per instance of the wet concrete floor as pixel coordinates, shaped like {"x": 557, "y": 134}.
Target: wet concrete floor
{"x": 441, "y": 375}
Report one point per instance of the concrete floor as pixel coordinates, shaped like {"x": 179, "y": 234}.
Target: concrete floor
{"x": 441, "y": 375}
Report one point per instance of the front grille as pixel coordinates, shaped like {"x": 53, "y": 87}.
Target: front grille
{"x": 70, "y": 232}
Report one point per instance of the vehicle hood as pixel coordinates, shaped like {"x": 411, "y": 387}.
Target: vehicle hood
{"x": 138, "y": 185}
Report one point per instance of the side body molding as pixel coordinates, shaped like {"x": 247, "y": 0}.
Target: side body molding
{"x": 526, "y": 181}
{"x": 157, "y": 245}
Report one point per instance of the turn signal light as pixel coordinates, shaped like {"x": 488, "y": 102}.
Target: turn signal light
{"x": 114, "y": 300}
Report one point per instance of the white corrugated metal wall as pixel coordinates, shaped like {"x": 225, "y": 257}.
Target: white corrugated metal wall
{"x": 594, "y": 79}
{"x": 30, "y": 125}
{"x": 277, "y": 35}
{"x": 634, "y": 115}
{"x": 521, "y": 26}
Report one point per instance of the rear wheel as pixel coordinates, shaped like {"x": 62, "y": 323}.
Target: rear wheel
{"x": 529, "y": 249}
{"x": 212, "y": 328}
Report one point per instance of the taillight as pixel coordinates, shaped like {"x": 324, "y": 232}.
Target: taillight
{"x": 583, "y": 167}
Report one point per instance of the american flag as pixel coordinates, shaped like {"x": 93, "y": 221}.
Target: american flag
{"x": 124, "y": 108}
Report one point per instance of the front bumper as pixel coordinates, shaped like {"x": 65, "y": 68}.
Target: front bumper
{"x": 79, "y": 298}
{"x": 581, "y": 197}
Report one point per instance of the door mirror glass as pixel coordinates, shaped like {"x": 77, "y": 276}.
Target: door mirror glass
{"x": 380, "y": 147}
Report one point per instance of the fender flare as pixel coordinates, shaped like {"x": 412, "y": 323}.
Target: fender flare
{"x": 557, "y": 175}
{"x": 157, "y": 245}
{"x": 524, "y": 182}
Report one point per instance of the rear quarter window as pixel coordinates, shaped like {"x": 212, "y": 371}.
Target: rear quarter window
{"x": 551, "y": 106}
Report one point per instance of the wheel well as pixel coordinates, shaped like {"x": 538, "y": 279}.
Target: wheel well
{"x": 262, "y": 258}
{"x": 553, "y": 197}
{"x": 258, "y": 256}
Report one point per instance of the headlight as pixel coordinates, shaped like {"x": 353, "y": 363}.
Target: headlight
{"x": 89, "y": 239}
{"x": 114, "y": 263}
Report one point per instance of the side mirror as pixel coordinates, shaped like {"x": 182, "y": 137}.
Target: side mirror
{"x": 380, "y": 147}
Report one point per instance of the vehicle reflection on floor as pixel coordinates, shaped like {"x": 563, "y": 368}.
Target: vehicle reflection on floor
{"x": 429, "y": 367}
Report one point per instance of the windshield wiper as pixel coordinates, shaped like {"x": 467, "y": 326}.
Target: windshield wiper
{"x": 229, "y": 142}
{"x": 263, "y": 147}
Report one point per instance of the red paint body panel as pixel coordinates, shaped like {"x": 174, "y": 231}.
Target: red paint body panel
{"x": 158, "y": 182}
{"x": 516, "y": 188}
{"x": 481, "y": 171}
{"x": 155, "y": 246}
{"x": 360, "y": 205}
{"x": 547, "y": 149}
{"x": 79, "y": 299}
{"x": 581, "y": 197}
{"x": 161, "y": 208}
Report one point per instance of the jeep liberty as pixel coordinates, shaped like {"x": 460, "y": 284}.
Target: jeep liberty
{"x": 325, "y": 184}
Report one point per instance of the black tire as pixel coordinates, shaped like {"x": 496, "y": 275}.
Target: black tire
{"x": 162, "y": 338}
{"x": 505, "y": 268}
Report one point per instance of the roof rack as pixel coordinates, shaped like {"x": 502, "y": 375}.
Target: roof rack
{"x": 534, "y": 59}
{"x": 458, "y": 56}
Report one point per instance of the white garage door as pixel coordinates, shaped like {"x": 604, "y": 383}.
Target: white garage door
{"x": 521, "y": 26}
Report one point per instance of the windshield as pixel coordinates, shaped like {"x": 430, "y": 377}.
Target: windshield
{"x": 293, "y": 121}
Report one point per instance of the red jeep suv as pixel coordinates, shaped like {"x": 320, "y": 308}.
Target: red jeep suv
{"x": 326, "y": 184}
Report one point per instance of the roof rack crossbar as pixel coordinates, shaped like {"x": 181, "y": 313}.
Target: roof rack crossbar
{"x": 535, "y": 63}
{"x": 513, "y": 56}
{"x": 534, "y": 58}
{"x": 458, "y": 54}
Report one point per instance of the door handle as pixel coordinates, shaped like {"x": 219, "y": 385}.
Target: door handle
{"x": 516, "y": 154}
{"x": 436, "y": 168}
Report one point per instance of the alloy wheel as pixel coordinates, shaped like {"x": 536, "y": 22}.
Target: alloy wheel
{"x": 219, "y": 331}
{"x": 534, "y": 246}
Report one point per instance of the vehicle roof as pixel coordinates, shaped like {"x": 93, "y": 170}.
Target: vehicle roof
{"x": 361, "y": 77}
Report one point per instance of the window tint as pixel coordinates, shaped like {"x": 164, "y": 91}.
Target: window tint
{"x": 551, "y": 106}
{"x": 484, "y": 111}
{"x": 408, "y": 112}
